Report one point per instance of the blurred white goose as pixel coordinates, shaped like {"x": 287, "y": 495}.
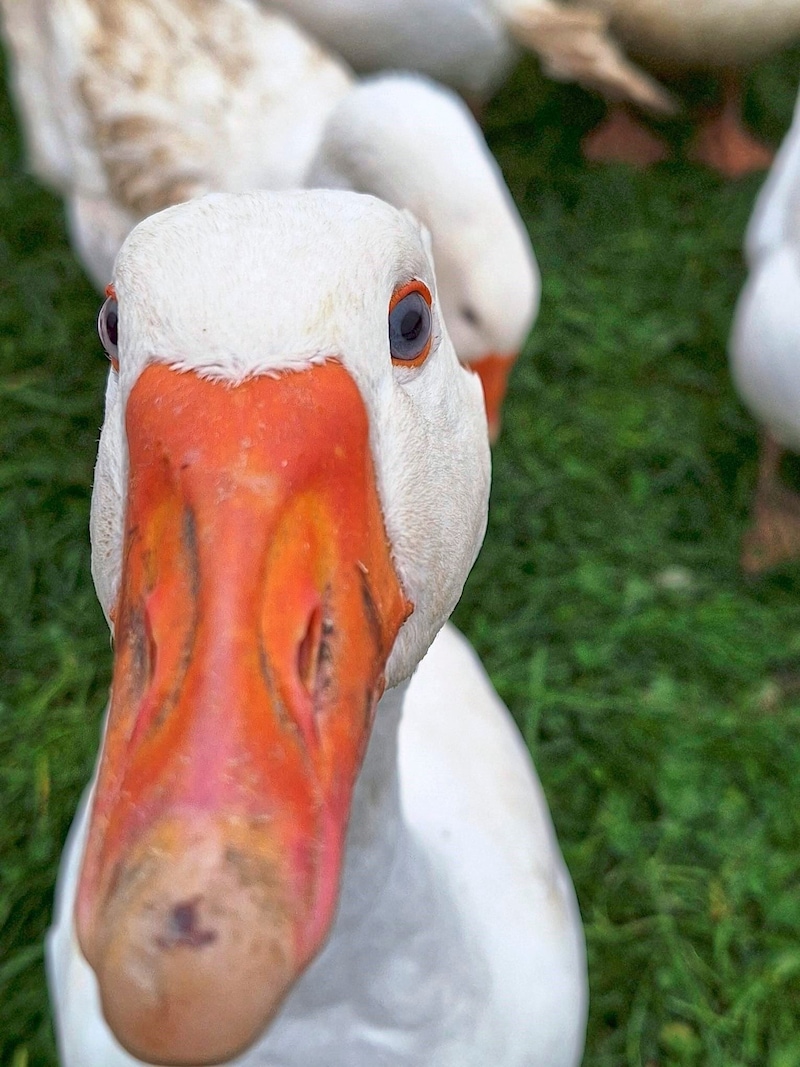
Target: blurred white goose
{"x": 132, "y": 105}
{"x": 470, "y": 44}
{"x": 473, "y": 44}
{"x": 290, "y": 491}
{"x": 765, "y": 352}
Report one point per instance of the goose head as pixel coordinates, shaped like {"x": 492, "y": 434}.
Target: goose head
{"x": 415, "y": 144}
{"x": 291, "y": 488}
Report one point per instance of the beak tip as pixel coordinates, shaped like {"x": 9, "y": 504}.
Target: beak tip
{"x": 193, "y": 957}
{"x": 184, "y": 1005}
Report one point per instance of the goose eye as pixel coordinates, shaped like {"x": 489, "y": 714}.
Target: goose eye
{"x": 107, "y": 329}
{"x": 410, "y": 324}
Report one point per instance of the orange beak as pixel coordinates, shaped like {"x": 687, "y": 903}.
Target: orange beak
{"x": 257, "y": 608}
{"x": 493, "y": 371}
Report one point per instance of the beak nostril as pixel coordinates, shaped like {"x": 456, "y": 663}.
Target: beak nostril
{"x": 308, "y": 652}
{"x": 152, "y": 648}
{"x": 313, "y": 653}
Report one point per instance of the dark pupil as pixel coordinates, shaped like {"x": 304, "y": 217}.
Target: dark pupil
{"x": 111, "y": 325}
{"x": 411, "y": 325}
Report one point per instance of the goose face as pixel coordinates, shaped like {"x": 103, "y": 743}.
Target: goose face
{"x": 416, "y": 145}
{"x": 291, "y": 488}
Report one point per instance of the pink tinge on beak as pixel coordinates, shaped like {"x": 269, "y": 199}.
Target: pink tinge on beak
{"x": 493, "y": 371}
{"x": 257, "y": 608}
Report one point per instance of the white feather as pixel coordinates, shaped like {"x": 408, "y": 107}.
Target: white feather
{"x": 765, "y": 337}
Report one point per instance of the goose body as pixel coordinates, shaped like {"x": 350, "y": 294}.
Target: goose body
{"x": 765, "y": 349}
{"x": 129, "y": 107}
{"x": 463, "y": 43}
{"x": 443, "y": 930}
{"x": 766, "y": 330}
{"x": 616, "y": 47}
{"x": 472, "y": 44}
{"x": 706, "y": 35}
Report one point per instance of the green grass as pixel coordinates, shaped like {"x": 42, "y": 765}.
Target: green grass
{"x": 659, "y": 691}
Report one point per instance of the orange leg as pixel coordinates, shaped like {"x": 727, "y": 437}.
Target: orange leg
{"x": 723, "y": 143}
{"x": 774, "y": 534}
{"x": 623, "y": 138}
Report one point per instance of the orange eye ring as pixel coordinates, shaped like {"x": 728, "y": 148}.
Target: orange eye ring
{"x": 414, "y": 286}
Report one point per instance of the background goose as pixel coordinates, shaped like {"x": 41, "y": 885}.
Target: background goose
{"x": 347, "y": 466}
{"x": 473, "y": 44}
{"x": 134, "y": 105}
{"x": 470, "y": 44}
{"x": 765, "y": 352}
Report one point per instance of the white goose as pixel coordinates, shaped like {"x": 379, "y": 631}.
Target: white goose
{"x": 290, "y": 490}
{"x": 135, "y": 105}
{"x": 473, "y": 44}
{"x": 765, "y": 352}
{"x": 470, "y": 44}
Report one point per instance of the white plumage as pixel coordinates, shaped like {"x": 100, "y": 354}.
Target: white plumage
{"x": 765, "y": 349}
{"x": 472, "y": 44}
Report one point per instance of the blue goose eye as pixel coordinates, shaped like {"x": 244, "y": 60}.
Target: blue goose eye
{"x": 410, "y": 325}
{"x": 107, "y": 328}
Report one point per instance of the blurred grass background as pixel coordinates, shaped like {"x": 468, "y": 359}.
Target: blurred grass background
{"x": 658, "y": 690}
